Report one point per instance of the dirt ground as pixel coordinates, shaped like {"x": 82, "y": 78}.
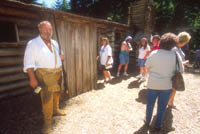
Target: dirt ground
{"x": 116, "y": 108}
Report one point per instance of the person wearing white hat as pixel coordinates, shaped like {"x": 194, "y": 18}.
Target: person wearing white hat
{"x": 143, "y": 53}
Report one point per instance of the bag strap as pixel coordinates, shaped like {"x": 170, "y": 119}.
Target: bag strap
{"x": 55, "y": 55}
{"x": 177, "y": 62}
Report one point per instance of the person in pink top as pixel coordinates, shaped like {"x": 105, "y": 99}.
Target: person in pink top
{"x": 124, "y": 55}
{"x": 156, "y": 42}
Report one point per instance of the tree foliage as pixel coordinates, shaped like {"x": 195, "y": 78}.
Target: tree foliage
{"x": 115, "y": 10}
{"x": 179, "y": 15}
{"x": 64, "y": 6}
{"x": 61, "y": 5}
{"x": 57, "y": 4}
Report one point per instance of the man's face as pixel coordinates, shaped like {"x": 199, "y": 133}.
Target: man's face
{"x": 46, "y": 31}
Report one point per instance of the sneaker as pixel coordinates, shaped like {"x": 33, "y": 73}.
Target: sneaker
{"x": 139, "y": 76}
{"x": 125, "y": 74}
{"x": 117, "y": 74}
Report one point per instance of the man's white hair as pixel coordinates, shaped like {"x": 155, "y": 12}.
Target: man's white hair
{"x": 43, "y": 22}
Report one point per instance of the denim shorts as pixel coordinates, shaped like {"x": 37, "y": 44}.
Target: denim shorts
{"x": 141, "y": 62}
{"x": 124, "y": 59}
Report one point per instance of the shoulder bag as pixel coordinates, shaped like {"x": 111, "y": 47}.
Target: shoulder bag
{"x": 177, "y": 80}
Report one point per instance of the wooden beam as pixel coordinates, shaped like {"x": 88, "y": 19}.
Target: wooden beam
{"x": 19, "y": 13}
{"x": 19, "y": 21}
{"x": 16, "y": 32}
{"x": 16, "y": 92}
{"x": 13, "y": 77}
{"x": 28, "y": 33}
{"x": 10, "y": 70}
{"x": 11, "y": 52}
{"x": 10, "y": 61}
{"x": 19, "y": 91}
{"x": 13, "y": 86}
{"x": 13, "y": 45}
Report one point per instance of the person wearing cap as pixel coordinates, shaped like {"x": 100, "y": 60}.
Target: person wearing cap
{"x": 143, "y": 53}
{"x": 155, "y": 41}
{"x": 124, "y": 55}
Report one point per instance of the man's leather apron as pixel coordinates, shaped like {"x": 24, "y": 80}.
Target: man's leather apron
{"x": 50, "y": 81}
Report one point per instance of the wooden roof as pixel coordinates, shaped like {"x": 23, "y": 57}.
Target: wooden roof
{"x": 34, "y": 10}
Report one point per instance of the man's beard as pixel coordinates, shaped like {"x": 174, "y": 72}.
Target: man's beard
{"x": 47, "y": 37}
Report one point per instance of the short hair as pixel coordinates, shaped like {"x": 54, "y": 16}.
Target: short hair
{"x": 105, "y": 39}
{"x": 156, "y": 37}
{"x": 183, "y": 38}
{"x": 168, "y": 41}
{"x": 43, "y": 22}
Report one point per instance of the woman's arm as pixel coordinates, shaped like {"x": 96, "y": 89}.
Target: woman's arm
{"x": 107, "y": 60}
{"x": 186, "y": 62}
{"x": 147, "y": 54}
{"x": 129, "y": 47}
{"x": 97, "y": 57}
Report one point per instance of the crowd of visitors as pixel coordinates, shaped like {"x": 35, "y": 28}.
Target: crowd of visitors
{"x": 159, "y": 62}
{"x": 43, "y": 61}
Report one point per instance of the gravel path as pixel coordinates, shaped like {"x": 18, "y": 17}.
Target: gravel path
{"x": 117, "y": 108}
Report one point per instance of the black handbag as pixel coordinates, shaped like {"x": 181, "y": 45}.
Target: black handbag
{"x": 177, "y": 80}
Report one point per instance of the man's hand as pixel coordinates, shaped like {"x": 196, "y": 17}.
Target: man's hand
{"x": 62, "y": 57}
{"x": 32, "y": 80}
{"x": 33, "y": 83}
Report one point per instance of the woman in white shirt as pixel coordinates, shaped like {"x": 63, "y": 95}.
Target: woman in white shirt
{"x": 106, "y": 59}
{"x": 143, "y": 53}
{"x": 161, "y": 65}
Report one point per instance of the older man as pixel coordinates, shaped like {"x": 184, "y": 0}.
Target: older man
{"x": 43, "y": 64}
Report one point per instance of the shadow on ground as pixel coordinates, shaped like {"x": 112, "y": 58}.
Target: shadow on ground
{"x": 166, "y": 128}
{"x": 21, "y": 115}
{"x": 142, "y": 96}
{"x": 134, "y": 84}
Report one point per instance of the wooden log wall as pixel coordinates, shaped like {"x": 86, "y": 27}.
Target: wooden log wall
{"x": 13, "y": 81}
{"x": 137, "y": 13}
{"x": 142, "y": 16}
{"x": 79, "y": 38}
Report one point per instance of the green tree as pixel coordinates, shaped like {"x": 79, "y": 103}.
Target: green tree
{"x": 61, "y": 5}
{"x": 179, "y": 15}
{"x": 115, "y": 10}
{"x": 57, "y": 4}
{"x": 64, "y": 6}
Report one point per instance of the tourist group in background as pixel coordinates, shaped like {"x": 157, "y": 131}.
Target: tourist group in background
{"x": 43, "y": 61}
{"x": 159, "y": 61}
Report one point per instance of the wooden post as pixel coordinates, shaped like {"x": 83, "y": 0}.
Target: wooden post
{"x": 16, "y": 32}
